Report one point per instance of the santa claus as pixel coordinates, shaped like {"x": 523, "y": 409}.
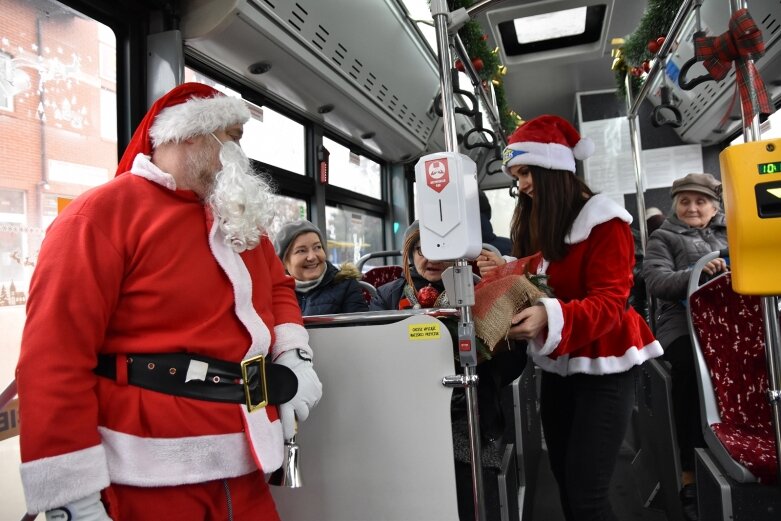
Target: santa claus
{"x": 164, "y": 360}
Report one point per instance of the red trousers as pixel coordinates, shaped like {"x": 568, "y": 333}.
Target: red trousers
{"x": 247, "y": 498}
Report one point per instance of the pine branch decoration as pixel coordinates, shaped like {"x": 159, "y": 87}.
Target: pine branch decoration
{"x": 656, "y": 22}
{"x": 473, "y": 38}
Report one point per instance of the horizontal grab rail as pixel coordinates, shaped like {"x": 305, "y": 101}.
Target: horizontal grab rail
{"x": 366, "y": 317}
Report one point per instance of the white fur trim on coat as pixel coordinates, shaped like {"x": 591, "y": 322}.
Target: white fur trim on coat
{"x": 144, "y": 167}
{"x": 58, "y": 480}
{"x": 597, "y": 210}
{"x": 160, "y": 462}
{"x": 547, "y": 155}
{"x": 197, "y": 117}
{"x": 567, "y": 365}
{"x": 290, "y": 336}
{"x": 545, "y": 346}
{"x": 237, "y": 272}
{"x": 266, "y": 437}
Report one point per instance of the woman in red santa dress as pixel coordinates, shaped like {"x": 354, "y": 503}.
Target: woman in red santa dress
{"x": 586, "y": 339}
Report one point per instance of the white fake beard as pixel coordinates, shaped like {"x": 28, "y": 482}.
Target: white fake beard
{"x": 240, "y": 199}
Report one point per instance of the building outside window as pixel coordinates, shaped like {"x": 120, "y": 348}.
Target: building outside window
{"x": 352, "y": 233}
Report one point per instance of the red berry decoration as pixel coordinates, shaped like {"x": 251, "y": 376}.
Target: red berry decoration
{"x": 427, "y": 296}
{"x": 652, "y": 47}
{"x": 660, "y": 41}
{"x": 477, "y": 63}
{"x": 646, "y": 66}
{"x": 459, "y": 66}
{"x": 484, "y": 37}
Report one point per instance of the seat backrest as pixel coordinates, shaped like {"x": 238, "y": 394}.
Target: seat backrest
{"x": 382, "y": 275}
{"x": 369, "y": 291}
{"x": 728, "y": 329}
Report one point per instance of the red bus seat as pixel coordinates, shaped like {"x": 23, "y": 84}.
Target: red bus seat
{"x": 728, "y": 337}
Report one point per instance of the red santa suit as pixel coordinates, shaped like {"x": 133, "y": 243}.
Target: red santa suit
{"x": 137, "y": 266}
{"x": 591, "y": 328}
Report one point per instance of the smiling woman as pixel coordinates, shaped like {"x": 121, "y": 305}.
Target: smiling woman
{"x": 321, "y": 287}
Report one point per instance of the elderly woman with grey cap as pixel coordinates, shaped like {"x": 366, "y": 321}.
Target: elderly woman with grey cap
{"x": 695, "y": 227}
{"x": 321, "y": 287}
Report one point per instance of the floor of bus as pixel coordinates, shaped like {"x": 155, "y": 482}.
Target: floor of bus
{"x": 623, "y": 493}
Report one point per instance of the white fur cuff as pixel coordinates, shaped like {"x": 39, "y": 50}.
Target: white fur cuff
{"x": 58, "y": 480}
{"x": 545, "y": 346}
{"x": 290, "y": 336}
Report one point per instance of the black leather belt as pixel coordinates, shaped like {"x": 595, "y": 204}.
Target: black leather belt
{"x": 254, "y": 382}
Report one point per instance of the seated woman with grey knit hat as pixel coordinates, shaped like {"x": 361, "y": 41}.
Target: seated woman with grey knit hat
{"x": 321, "y": 287}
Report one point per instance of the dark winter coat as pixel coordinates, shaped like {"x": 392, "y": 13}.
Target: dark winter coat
{"x": 389, "y": 295}
{"x": 338, "y": 292}
{"x": 671, "y": 252}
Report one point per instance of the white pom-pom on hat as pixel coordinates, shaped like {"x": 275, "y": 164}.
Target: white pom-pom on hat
{"x": 584, "y": 149}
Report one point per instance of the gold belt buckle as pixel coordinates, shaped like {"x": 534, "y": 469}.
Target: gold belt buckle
{"x": 261, "y": 361}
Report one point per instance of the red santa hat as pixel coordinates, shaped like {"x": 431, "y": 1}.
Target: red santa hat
{"x": 186, "y": 111}
{"x": 547, "y": 141}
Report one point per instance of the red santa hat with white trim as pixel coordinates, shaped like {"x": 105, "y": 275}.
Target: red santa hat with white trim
{"x": 186, "y": 111}
{"x": 547, "y": 141}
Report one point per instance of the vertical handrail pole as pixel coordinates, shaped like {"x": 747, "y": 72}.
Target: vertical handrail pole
{"x": 752, "y": 132}
{"x": 441, "y": 19}
{"x": 637, "y": 157}
{"x": 466, "y": 331}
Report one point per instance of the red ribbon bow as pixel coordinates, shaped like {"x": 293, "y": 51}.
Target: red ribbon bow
{"x": 742, "y": 40}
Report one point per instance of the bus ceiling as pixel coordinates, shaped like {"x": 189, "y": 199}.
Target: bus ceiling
{"x": 364, "y": 68}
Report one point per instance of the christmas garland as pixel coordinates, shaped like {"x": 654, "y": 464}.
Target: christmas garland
{"x": 632, "y": 56}
{"x": 486, "y": 62}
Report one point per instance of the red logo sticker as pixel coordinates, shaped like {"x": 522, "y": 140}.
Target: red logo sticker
{"x": 437, "y": 176}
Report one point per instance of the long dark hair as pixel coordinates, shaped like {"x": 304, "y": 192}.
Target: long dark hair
{"x": 543, "y": 222}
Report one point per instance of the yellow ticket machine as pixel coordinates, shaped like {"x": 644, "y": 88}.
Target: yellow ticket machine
{"x": 751, "y": 175}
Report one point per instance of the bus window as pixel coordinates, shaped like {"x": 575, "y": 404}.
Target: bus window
{"x": 58, "y": 122}
{"x": 502, "y": 207}
{"x": 287, "y": 209}
{"x": 352, "y": 233}
{"x": 352, "y": 171}
{"x": 269, "y": 137}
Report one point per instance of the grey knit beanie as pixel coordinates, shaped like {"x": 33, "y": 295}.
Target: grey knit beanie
{"x": 288, "y": 234}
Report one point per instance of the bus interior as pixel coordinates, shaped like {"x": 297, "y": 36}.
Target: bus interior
{"x": 346, "y": 97}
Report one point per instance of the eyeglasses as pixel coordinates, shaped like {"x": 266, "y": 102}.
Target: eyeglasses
{"x": 418, "y": 250}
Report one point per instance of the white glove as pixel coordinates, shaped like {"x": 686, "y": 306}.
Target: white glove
{"x": 309, "y": 391}
{"x": 88, "y": 508}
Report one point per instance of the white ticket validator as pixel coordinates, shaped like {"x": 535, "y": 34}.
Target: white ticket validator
{"x": 448, "y": 206}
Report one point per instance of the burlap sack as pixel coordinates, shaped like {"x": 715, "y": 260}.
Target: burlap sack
{"x": 496, "y": 301}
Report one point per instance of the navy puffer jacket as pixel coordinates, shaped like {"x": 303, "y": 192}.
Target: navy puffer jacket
{"x": 338, "y": 292}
